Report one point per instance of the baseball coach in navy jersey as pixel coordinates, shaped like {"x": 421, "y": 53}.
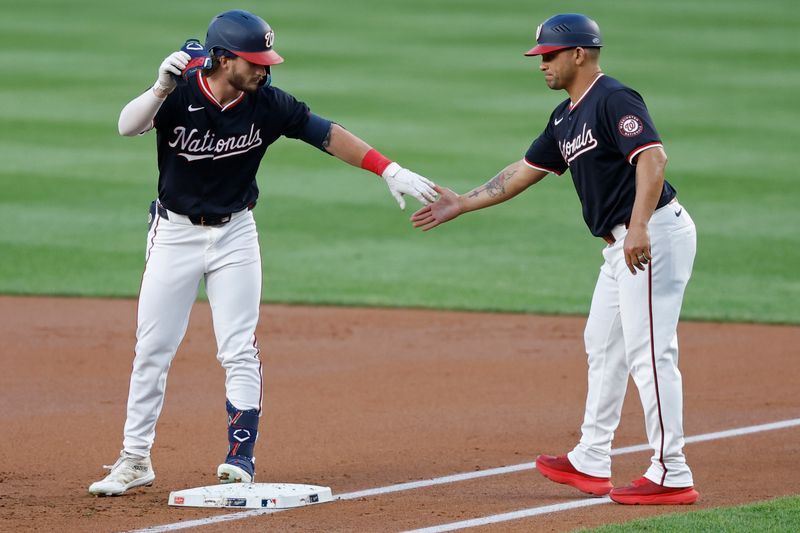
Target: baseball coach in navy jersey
{"x": 604, "y": 135}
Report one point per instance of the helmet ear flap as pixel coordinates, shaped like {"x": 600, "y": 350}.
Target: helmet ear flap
{"x": 267, "y": 80}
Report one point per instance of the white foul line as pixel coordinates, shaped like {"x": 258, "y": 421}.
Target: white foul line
{"x": 474, "y": 475}
{"x": 514, "y": 515}
{"x": 437, "y": 481}
{"x": 525, "y": 513}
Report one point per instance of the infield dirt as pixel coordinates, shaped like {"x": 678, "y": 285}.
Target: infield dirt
{"x": 364, "y": 398}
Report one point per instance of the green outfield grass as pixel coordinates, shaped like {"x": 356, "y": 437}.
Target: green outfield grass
{"x": 443, "y": 88}
{"x": 781, "y": 515}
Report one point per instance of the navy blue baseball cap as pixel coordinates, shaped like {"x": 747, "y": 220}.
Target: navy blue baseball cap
{"x": 567, "y": 30}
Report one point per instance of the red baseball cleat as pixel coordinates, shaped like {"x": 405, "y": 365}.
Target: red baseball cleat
{"x": 560, "y": 470}
{"x": 645, "y": 492}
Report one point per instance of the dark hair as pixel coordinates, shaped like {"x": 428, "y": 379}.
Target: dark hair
{"x": 216, "y": 54}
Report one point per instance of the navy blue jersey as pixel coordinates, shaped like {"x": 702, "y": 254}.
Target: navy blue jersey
{"x": 598, "y": 139}
{"x": 208, "y": 155}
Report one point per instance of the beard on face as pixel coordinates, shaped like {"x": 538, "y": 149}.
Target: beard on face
{"x": 240, "y": 82}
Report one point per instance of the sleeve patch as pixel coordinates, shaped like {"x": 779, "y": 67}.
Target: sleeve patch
{"x": 630, "y": 126}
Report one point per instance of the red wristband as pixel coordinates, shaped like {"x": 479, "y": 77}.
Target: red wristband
{"x": 375, "y": 162}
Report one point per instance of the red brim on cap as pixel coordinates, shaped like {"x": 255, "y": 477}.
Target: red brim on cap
{"x": 545, "y": 49}
{"x": 268, "y": 57}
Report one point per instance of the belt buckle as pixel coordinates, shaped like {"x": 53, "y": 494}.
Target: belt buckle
{"x": 218, "y": 220}
{"x": 198, "y": 220}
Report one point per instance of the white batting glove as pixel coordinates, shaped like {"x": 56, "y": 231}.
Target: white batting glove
{"x": 402, "y": 181}
{"x": 173, "y": 64}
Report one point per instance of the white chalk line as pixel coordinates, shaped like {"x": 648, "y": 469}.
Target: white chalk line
{"x": 738, "y": 432}
{"x": 514, "y": 515}
{"x": 533, "y": 511}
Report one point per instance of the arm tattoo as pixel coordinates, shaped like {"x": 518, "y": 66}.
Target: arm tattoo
{"x": 497, "y": 185}
{"x": 327, "y": 141}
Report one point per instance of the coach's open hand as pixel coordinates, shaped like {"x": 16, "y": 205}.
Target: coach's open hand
{"x": 447, "y": 207}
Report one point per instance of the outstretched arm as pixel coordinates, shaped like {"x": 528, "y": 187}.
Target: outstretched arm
{"x": 346, "y": 146}
{"x": 351, "y": 149}
{"x": 511, "y": 181}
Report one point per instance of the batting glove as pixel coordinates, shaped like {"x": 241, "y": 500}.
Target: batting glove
{"x": 173, "y": 64}
{"x": 199, "y": 57}
{"x": 402, "y": 181}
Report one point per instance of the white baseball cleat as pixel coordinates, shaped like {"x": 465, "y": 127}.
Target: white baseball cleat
{"x": 128, "y": 472}
{"x": 228, "y": 473}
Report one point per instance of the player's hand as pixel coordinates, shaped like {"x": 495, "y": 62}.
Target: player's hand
{"x": 402, "y": 181}
{"x": 447, "y": 207}
{"x": 637, "y": 248}
{"x": 173, "y": 64}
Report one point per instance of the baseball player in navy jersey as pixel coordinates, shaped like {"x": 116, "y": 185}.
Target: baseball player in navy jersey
{"x": 215, "y": 113}
{"x": 604, "y": 135}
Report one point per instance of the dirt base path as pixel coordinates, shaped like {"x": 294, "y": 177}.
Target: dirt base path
{"x": 365, "y": 398}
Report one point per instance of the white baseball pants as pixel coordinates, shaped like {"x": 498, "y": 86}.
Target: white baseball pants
{"x": 179, "y": 255}
{"x": 632, "y": 329}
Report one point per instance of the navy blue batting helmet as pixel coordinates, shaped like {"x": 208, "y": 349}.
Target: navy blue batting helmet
{"x": 567, "y": 30}
{"x": 245, "y": 35}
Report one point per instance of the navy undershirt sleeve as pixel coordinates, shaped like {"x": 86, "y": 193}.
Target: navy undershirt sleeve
{"x": 316, "y": 131}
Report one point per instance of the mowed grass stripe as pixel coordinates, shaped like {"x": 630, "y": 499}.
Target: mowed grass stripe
{"x": 444, "y": 89}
